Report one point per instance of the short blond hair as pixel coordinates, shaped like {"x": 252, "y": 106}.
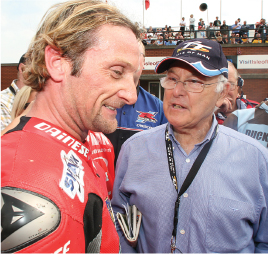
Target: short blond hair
{"x": 70, "y": 28}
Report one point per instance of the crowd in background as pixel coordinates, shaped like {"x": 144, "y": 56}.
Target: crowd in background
{"x": 238, "y": 33}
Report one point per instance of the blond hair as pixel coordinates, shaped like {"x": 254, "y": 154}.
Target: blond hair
{"x": 70, "y": 28}
{"x": 20, "y": 100}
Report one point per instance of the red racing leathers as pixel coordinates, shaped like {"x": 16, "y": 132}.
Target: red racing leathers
{"x": 102, "y": 151}
{"x": 54, "y": 197}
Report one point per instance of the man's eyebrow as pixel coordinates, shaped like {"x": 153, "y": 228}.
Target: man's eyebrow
{"x": 171, "y": 71}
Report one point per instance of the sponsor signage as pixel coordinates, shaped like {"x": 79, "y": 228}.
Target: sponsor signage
{"x": 151, "y": 62}
{"x": 252, "y": 62}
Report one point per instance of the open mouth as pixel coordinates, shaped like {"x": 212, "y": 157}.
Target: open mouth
{"x": 178, "y": 106}
{"x": 109, "y": 107}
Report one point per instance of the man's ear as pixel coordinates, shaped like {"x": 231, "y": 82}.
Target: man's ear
{"x": 55, "y": 64}
{"x": 223, "y": 95}
{"x": 21, "y": 67}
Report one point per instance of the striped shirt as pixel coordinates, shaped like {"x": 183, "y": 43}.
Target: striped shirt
{"x": 7, "y": 99}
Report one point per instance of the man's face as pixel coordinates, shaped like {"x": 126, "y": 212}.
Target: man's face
{"x": 108, "y": 80}
{"x": 233, "y": 92}
{"x": 187, "y": 110}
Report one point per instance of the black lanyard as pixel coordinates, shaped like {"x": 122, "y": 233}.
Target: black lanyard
{"x": 188, "y": 180}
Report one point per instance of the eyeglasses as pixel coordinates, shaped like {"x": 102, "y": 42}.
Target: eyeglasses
{"x": 193, "y": 86}
{"x": 232, "y": 86}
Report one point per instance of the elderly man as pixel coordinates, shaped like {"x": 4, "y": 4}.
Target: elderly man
{"x": 233, "y": 101}
{"x": 54, "y": 196}
{"x": 200, "y": 187}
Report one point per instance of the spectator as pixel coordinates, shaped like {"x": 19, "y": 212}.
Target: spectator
{"x": 149, "y": 39}
{"x": 159, "y": 40}
{"x": 158, "y": 31}
{"x": 48, "y": 173}
{"x": 203, "y": 28}
{"x": 210, "y": 31}
{"x": 154, "y": 42}
{"x": 236, "y": 27}
{"x": 233, "y": 38}
{"x": 8, "y": 95}
{"x": 224, "y": 29}
{"x": 226, "y": 199}
{"x": 170, "y": 29}
{"x": 182, "y": 26}
{"x": 165, "y": 29}
{"x": 150, "y": 31}
{"x": 257, "y": 25}
{"x": 180, "y": 39}
{"x": 219, "y": 40}
{"x": 244, "y": 29}
{"x": 170, "y": 42}
{"x": 234, "y": 100}
{"x": 252, "y": 122}
{"x": 217, "y": 23}
{"x": 262, "y": 29}
{"x": 257, "y": 39}
{"x": 199, "y": 23}
{"x": 192, "y": 23}
{"x": 239, "y": 22}
{"x": 238, "y": 39}
{"x": 218, "y": 33}
{"x": 145, "y": 114}
{"x": 225, "y": 39}
{"x": 245, "y": 39}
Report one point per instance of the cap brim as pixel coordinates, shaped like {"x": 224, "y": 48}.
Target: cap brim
{"x": 208, "y": 71}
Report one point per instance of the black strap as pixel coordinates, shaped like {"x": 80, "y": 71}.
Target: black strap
{"x": 12, "y": 90}
{"x": 188, "y": 180}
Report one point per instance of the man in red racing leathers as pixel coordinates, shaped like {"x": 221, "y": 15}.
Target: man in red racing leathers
{"x": 54, "y": 194}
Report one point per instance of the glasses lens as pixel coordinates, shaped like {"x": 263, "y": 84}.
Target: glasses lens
{"x": 232, "y": 86}
{"x": 167, "y": 83}
{"x": 194, "y": 86}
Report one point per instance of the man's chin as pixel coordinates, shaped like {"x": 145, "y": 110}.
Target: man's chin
{"x": 106, "y": 127}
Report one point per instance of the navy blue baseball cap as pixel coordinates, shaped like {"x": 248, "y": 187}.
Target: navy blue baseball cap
{"x": 204, "y": 55}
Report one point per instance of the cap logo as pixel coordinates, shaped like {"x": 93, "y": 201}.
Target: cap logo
{"x": 195, "y": 45}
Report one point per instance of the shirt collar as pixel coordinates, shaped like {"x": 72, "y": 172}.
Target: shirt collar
{"x": 206, "y": 139}
{"x": 240, "y": 104}
{"x": 13, "y": 84}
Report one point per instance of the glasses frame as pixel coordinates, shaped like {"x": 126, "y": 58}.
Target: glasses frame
{"x": 184, "y": 84}
{"x": 232, "y": 86}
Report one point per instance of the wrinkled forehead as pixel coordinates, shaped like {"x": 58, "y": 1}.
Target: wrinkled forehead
{"x": 178, "y": 67}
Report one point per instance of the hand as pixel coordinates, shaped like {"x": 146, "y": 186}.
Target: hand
{"x": 225, "y": 106}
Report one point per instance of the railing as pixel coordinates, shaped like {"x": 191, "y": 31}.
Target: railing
{"x": 209, "y": 34}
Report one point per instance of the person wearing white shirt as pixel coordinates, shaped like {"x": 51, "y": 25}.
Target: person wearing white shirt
{"x": 182, "y": 26}
{"x": 192, "y": 20}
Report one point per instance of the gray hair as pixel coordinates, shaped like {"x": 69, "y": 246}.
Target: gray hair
{"x": 220, "y": 86}
{"x": 222, "y": 82}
